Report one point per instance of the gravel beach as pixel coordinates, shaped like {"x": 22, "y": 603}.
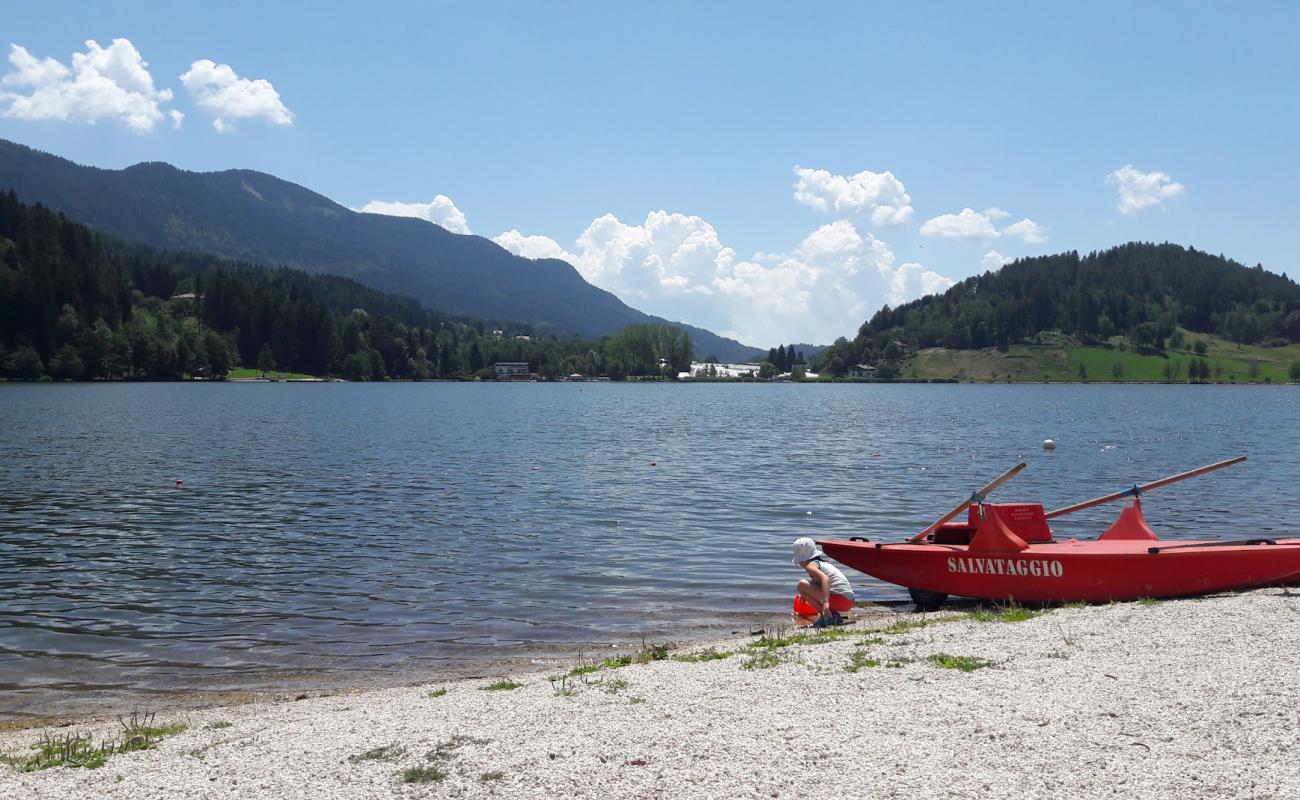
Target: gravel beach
{"x": 1180, "y": 699}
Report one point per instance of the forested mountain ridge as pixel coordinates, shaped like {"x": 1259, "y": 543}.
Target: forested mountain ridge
{"x": 77, "y": 304}
{"x": 255, "y": 217}
{"x": 1141, "y": 292}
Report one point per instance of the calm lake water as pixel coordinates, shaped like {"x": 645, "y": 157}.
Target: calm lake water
{"x": 350, "y": 533}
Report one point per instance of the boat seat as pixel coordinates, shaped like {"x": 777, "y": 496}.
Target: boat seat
{"x": 1025, "y": 520}
{"x": 954, "y": 533}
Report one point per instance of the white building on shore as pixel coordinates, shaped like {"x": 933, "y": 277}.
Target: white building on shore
{"x": 708, "y": 369}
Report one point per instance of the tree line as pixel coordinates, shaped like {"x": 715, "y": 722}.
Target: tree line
{"x": 1143, "y": 292}
{"x": 79, "y": 305}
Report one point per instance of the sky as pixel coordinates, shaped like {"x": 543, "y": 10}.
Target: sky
{"x": 775, "y": 172}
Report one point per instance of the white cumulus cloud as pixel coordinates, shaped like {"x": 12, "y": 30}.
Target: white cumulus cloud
{"x": 532, "y": 246}
{"x": 675, "y": 265}
{"x": 993, "y": 260}
{"x": 969, "y": 225}
{"x": 104, "y": 83}
{"x": 1139, "y": 190}
{"x": 227, "y": 98}
{"x": 879, "y": 193}
{"x": 1028, "y": 230}
{"x": 440, "y": 211}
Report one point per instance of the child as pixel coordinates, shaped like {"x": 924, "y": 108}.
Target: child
{"x": 825, "y": 589}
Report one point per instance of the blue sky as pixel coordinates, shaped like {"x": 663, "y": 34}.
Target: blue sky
{"x": 655, "y": 145}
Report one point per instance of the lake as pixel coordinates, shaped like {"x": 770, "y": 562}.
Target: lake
{"x": 356, "y": 534}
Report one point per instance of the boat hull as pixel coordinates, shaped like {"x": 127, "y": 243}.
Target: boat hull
{"x": 1074, "y": 571}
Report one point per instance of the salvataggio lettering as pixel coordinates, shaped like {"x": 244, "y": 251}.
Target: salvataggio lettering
{"x": 1036, "y": 568}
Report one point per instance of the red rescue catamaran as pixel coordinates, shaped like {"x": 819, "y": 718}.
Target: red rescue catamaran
{"x": 1007, "y": 552}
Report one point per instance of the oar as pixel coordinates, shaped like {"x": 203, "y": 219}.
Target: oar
{"x": 1146, "y": 487}
{"x": 977, "y": 497}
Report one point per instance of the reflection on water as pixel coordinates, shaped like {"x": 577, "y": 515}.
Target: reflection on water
{"x": 366, "y": 530}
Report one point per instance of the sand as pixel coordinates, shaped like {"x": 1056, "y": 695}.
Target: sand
{"x": 1180, "y": 699}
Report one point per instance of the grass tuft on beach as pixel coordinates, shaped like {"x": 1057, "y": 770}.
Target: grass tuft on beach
{"x": 138, "y": 732}
{"x": 960, "y": 663}
{"x": 503, "y": 685}
{"x": 387, "y": 752}
{"x": 425, "y": 773}
{"x": 1010, "y": 612}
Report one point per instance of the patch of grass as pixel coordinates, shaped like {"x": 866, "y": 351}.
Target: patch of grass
{"x": 897, "y": 663}
{"x": 246, "y": 373}
{"x": 707, "y": 654}
{"x": 436, "y": 692}
{"x": 139, "y": 732}
{"x": 827, "y": 635}
{"x": 491, "y": 775}
{"x": 1011, "y": 612}
{"x": 425, "y": 773}
{"x": 388, "y": 752}
{"x": 647, "y": 653}
{"x": 64, "y": 750}
{"x": 443, "y": 751}
{"x": 870, "y": 640}
{"x": 761, "y": 658}
{"x": 859, "y": 661}
{"x": 907, "y": 626}
{"x": 561, "y": 685}
{"x": 1148, "y": 601}
{"x": 961, "y": 663}
{"x": 220, "y": 725}
{"x": 614, "y": 685}
{"x": 503, "y": 685}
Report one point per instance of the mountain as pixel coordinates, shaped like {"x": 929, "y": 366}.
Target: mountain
{"x": 77, "y": 304}
{"x": 1141, "y": 293}
{"x": 255, "y": 217}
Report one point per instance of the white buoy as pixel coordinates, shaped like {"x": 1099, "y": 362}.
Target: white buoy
{"x": 1048, "y": 444}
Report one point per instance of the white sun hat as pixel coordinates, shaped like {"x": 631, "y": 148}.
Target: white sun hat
{"x": 805, "y": 549}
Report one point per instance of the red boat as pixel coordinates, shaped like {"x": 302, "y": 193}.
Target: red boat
{"x": 1008, "y": 552}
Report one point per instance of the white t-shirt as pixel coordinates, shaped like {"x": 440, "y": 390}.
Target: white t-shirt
{"x": 839, "y": 583}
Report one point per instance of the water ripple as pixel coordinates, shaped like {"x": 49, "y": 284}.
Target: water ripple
{"x": 371, "y": 529}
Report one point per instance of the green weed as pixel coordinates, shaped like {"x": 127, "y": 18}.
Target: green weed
{"x": 613, "y": 685}
{"x": 425, "y": 773}
{"x": 707, "y": 654}
{"x": 761, "y": 658}
{"x": 388, "y": 752}
{"x": 907, "y": 626}
{"x": 961, "y": 663}
{"x": 859, "y": 661}
{"x": 560, "y": 683}
{"x": 436, "y": 692}
{"x": 1010, "y": 612}
{"x": 503, "y": 685}
{"x": 139, "y": 732}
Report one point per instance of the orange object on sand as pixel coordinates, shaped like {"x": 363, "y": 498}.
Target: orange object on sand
{"x": 802, "y": 608}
